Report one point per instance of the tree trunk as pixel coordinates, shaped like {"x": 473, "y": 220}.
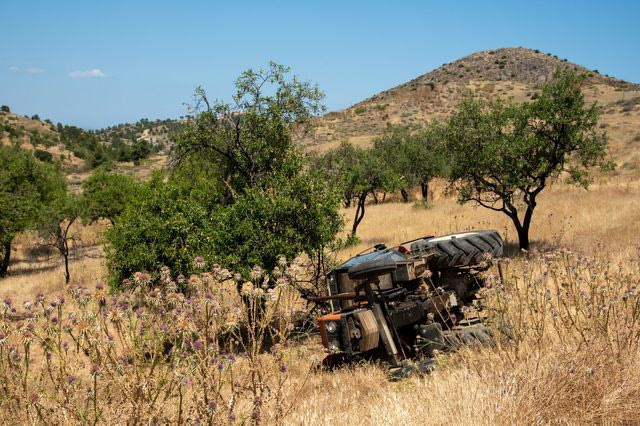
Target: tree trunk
{"x": 375, "y": 197}
{"x": 405, "y": 195}
{"x": 523, "y": 228}
{"x": 359, "y": 213}
{"x": 6, "y": 257}
{"x": 523, "y": 237}
{"x": 65, "y": 254}
{"x": 424, "y": 187}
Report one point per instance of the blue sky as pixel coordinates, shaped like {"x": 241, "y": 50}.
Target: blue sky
{"x": 95, "y": 64}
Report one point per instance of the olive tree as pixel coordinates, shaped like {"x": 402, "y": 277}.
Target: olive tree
{"x": 27, "y": 187}
{"x": 414, "y": 153}
{"x": 502, "y": 156}
{"x": 239, "y": 192}
{"x": 107, "y": 194}
{"x": 357, "y": 173}
{"x": 56, "y": 225}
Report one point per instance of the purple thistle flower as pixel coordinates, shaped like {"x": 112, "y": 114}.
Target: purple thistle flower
{"x": 71, "y": 379}
{"x": 197, "y": 345}
{"x": 283, "y": 368}
{"x": 185, "y": 381}
{"x": 213, "y": 406}
{"x": 199, "y": 262}
{"x": 54, "y": 320}
{"x": 99, "y": 286}
{"x": 7, "y": 301}
{"x": 208, "y": 295}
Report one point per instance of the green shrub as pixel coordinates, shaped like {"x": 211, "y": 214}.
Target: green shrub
{"x": 43, "y": 155}
{"x": 168, "y": 224}
{"x": 238, "y": 195}
{"x": 360, "y": 110}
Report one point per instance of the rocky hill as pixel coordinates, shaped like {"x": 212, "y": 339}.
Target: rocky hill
{"x": 510, "y": 72}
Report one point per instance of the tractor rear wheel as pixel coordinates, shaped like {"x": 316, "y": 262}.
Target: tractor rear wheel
{"x": 460, "y": 249}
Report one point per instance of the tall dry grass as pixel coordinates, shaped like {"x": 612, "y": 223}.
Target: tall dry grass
{"x": 574, "y": 317}
{"x": 566, "y": 216}
{"x": 572, "y": 359}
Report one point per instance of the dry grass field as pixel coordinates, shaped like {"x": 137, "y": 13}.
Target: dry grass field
{"x": 574, "y": 310}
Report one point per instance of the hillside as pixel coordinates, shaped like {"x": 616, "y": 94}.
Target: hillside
{"x": 80, "y": 150}
{"x": 508, "y": 72}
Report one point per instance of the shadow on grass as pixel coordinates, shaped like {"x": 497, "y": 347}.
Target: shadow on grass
{"x": 512, "y": 248}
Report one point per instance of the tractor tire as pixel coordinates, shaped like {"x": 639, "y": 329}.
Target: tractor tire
{"x": 460, "y": 249}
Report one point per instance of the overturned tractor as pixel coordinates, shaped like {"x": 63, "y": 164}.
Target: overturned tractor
{"x": 403, "y": 303}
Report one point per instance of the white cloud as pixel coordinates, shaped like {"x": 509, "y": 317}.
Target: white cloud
{"x": 28, "y": 70}
{"x": 94, "y": 73}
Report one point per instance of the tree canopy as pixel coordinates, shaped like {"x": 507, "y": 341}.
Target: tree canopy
{"x": 27, "y": 186}
{"x": 106, "y": 195}
{"x": 414, "y": 153}
{"x": 503, "y": 155}
{"x": 238, "y": 192}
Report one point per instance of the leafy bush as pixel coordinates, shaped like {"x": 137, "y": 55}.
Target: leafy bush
{"x": 238, "y": 193}
{"x": 360, "y": 110}
{"x": 106, "y": 195}
{"x": 158, "y": 228}
{"x": 42, "y": 155}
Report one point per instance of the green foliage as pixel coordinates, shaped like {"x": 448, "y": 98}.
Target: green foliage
{"x": 262, "y": 225}
{"x": 249, "y": 141}
{"x": 139, "y": 151}
{"x": 106, "y": 195}
{"x": 360, "y": 110}
{"x": 238, "y": 193}
{"x": 5, "y": 108}
{"x": 416, "y": 154}
{"x": 503, "y": 155}
{"x": 98, "y": 148}
{"x": 56, "y": 224}
{"x": 44, "y": 156}
{"x": 161, "y": 226}
{"x": 357, "y": 173}
{"x": 27, "y": 186}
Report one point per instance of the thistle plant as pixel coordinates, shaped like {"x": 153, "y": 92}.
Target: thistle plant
{"x": 187, "y": 350}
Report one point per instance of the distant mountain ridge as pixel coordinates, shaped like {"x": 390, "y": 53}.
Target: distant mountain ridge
{"x": 518, "y": 73}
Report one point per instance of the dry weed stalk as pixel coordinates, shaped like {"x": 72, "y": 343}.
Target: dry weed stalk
{"x": 151, "y": 354}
